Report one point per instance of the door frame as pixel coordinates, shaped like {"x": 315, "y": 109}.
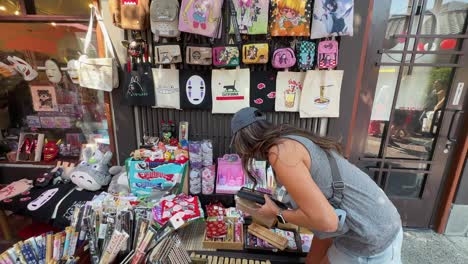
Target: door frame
{"x": 356, "y": 140}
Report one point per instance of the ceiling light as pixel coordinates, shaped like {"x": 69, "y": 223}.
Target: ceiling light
{"x": 90, "y": 5}
{"x": 3, "y": 8}
{"x": 53, "y": 24}
{"x": 17, "y": 13}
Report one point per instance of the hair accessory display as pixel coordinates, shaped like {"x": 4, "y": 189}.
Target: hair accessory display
{"x": 195, "y": 154}
{"x": 207, "y": 152}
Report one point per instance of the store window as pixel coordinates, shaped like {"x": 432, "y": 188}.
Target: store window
{"x": 49, "y": 103}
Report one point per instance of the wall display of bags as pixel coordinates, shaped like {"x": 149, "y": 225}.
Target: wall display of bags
{"x": 195, "y": 90}
{"x": 332, "y": 18}
{"x": 290, "y": 18}
{"x": 166, "y": 87}
{"x": 139, "y": 86}
{"x": 202, "y": 17}
{"x": 130, "y": 14}
{"x": 252, "y": 16}
{"x": 230, "y": 90}
{"x": 164, "y": 17}
{"x": 263, "y": 90}
{"x": 288, "y": 91}
{"x": 321, "y": 94}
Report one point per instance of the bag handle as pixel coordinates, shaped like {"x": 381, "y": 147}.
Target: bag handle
{"x": 89, "y": 33}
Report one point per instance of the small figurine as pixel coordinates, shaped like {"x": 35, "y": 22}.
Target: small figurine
{"x": 136, "y": 50}
{"x": 51, "y": 150}
{"x": 166, "y": 132}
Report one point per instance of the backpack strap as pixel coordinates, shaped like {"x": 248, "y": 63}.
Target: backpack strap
{"x": 338, "y": 185}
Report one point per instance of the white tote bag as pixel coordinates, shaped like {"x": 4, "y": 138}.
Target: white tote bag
{"x": 321, "y": 94}
{"x": 166, "y": 87}
{"x": 98, "y": 73}
{"x": 288, "y": 91}
{"x": 230, "y": 90}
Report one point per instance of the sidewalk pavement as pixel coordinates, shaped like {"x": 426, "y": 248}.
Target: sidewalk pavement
{"x": 427, "y": 247}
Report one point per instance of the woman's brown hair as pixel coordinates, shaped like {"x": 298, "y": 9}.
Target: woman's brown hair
{"x": 256, "y": 140}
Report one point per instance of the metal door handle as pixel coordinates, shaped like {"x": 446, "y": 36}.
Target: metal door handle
{"x": 435, "y": 121}
{"x": 452, "y": 134}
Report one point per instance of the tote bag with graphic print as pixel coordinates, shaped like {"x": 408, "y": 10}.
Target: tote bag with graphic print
{"x": 139, "y": 86}
{"x": 166, "y": 87}
{"x": 252, "y": 16}
{"x": 263, "y": 90}
{"x": 290, "y": 18}
{"x": 332, "y": 18}
{"x": 321, "y": 94}
{"x": 288, "y": 91}
{"x": 195, "y": 89}
{"x": 230, "y": 89}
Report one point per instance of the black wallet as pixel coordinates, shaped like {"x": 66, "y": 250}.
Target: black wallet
{"x": 258, "y": 197}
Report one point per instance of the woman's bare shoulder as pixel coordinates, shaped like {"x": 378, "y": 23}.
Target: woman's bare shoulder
{"x": 287, "y": 151}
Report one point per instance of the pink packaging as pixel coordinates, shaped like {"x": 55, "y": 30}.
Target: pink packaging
{"x": 231, "y": 176}
{"x": 283, "y": 58}
{"x": 328, "y": 54}
{"x": 202, "y": 17}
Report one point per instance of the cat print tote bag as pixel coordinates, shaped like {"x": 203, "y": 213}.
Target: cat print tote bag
{"x": 230, "y": 89}
{"x": 290, "y": 18}
{"x": 202, "y": 17}
{"x": 288, "y": 91}
{"x": 98, "y": 73}
{"x": 321, "y": 94}
{"x": 166, "y": 87}
{"x": 332, "y": 18}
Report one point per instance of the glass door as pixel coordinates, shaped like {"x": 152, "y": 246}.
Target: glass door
{"x": 407, "y": 144}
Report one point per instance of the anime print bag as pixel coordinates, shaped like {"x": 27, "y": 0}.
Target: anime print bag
{"x": 332, "y": 18}
{"x": 290, "y": 18}
{"x": 195, "y": 89}
{"x": 230, "y": 90}
{"x": 98, "y": 73}
{"x": 321, "y": 94}
{"x": 305, "y": 55}
{"x": 166, "y": 87}
{"x": 130, "y": 14}
{"x": 226, "y": 56}
{"x": 202, "y": 17}
{"x": 328, "y": 54}
{"x": 283, "y": 58}
{"x": 252, "y": 16}
{"x": 167, "y": 54}
{"x": 139, "y": 86}
{"x": 288, "y": 91}
{"x": 164, "y": 16}
{"x": 255, "y": 53}
{"x": 196, "y": 55}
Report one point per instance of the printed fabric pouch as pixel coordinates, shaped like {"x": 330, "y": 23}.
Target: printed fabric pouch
{"x": 252, "y": 16}
{"x": 305, "y": 55}
{"x": 230, "y": 90}
{"x": 230, "y": 175}
{"x": 195, "y": 89}
{"x": 130, "y": 14}
{"x": 283, "y": 58}
{"x": 321, "y": 94}
{"x": 166, "y": 87}
{"x": 139, "y": 86}
{"x": 167, "y": 54}
{"x": 290, "y": 18}
{"x": 288, "y": 91}
{"x": 332, "y": 18}
{"x": 197, "y": 55}
{"x": 255, "y": 53}
{"x": 164, "y": 17}
{"x": 263, "y": 90}
{"x": 328, "y": 54}
{"x": 202, "y": 17}
{"x": 226, "y": 56}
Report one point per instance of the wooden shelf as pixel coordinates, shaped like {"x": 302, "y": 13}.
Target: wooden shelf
{"x": 39, "y": 164}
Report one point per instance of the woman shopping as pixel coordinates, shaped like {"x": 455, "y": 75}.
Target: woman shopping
{"x": 330, "y": 196}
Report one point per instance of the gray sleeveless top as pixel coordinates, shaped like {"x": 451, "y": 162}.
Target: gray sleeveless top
{"x": 372, "y": 221}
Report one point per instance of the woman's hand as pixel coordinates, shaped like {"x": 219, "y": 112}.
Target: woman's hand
{"x": 269, "y": 209}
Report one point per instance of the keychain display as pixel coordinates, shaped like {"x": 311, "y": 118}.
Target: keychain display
{"x": 207, "y": 152}
{"x": 195, "y": 181}
{"x": 195, "y": 154}
{"x": 328, "y": 54}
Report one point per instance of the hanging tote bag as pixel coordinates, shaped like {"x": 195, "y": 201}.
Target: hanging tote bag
{"x": 195, "y": 89}
{"x": 332, "y": 18}
{"x": 166, "y": 87}
{"x": 202, "y": 17}
{"x": 290, "y": 18}
{"x": 321, "y": 94}
{"x": 139, "y": 86}
{"x": 252, "y": 16}
{"x": 130, "y": 14}
{"x": 263, "y": 90}
{"x": 288, "y": 91}
{"x": 230, "y": 89}
{"x": 98, "y": 73}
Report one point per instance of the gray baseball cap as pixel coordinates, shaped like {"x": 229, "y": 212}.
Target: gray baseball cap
{"x": 245, "y": 117}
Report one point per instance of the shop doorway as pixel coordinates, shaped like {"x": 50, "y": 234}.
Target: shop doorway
{"x": 417, "y": 84}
